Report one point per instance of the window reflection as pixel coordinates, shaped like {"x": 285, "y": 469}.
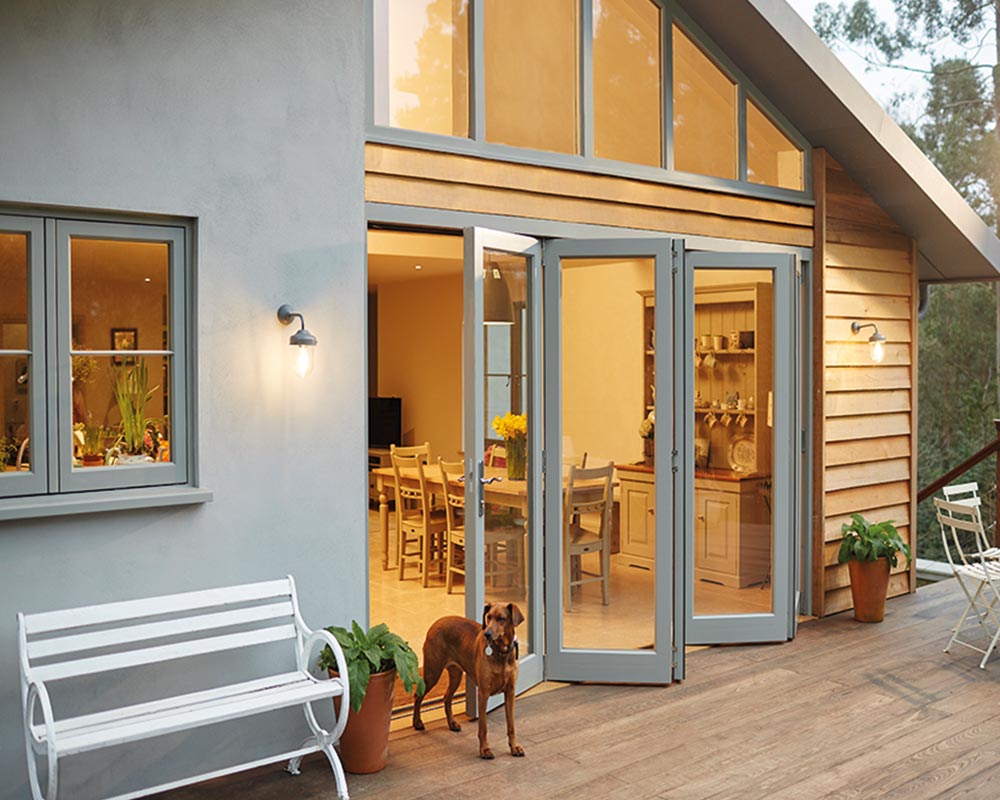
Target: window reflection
{"x": 532, "y": 74}
{"x": 704, "y": 112}
{"x": 627, "y": 82}
{"x": 422, "y": 65}
{"x": 772, "y": 158}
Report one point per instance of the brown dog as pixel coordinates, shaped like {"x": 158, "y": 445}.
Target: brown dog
{"x": 487, "y": 654}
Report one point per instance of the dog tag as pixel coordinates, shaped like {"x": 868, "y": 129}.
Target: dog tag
{"x": 489, "y": 650}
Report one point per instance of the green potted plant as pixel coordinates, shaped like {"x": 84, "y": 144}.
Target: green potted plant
{"x": 869, "y": 549}
{"x": 132, "y": 393}
{"x": 374, "y": 659}
{"x": 8, "y": 447}
{"x": 92, "y": 445}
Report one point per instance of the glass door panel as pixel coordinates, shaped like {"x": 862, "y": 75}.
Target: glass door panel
{"x": 609, "y": 567}
{"x": 739, "y": 356}
{"x": 22, "y": 358}
{"x": 502, "y": 437}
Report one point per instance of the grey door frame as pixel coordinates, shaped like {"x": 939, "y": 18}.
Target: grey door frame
{"x": 779, "y": 625}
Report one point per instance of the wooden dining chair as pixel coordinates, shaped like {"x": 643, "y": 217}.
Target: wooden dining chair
{"x": 420, "y": 526}
{"x": 505, "y": 552}
{"x": 588, "y": 493}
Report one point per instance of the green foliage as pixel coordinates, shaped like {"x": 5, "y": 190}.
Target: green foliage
{"x": 8, "y": 447}
{"x": 870, "y": 541}
{"x": 130, "y": 386}
{"x": 377, "y": 650}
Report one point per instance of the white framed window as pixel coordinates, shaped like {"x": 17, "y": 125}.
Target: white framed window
{"x": 94, "y": 373}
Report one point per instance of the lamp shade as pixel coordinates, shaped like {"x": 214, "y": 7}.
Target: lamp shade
{"x": 497, "y": 307}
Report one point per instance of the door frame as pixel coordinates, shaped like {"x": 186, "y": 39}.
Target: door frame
{"x": 779, "y": 625}
{"x": 419, "y": 218}
{"x": 663, "y": 663}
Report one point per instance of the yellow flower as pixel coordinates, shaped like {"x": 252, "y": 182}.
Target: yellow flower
{"x": 511, "y": 425}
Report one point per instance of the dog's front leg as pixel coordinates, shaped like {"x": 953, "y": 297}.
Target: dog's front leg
{"x": 508, "y": 706}
{"x": 484, "y": 745}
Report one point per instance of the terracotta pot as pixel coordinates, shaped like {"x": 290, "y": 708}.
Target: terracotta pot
{"x": 93, "y": 460}
{"x": 869, "y": 584}
{"x": 364, "y": 744}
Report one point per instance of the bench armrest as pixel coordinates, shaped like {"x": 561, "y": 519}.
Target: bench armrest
{"x": 36, "y": 692}
{"x": 324, "y": 637}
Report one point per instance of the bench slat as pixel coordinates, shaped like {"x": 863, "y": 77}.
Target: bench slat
{"x": 74, "y": 643}
{"x": 49, "y": 621}
{"x": 167, "y": 652}
{"x": 180, "y": 701}
{"x": 171, "y": 721}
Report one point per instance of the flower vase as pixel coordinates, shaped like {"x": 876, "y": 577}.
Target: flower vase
{"x": 516, "y": 457}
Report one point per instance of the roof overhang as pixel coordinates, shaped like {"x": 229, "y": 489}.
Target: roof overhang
{"x": 797, "y": 72}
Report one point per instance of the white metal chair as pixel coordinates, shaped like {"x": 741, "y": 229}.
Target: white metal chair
{"x": 965, "y": 545}
{"x": 968, "y": 494}
{"x": 588, "y": 492}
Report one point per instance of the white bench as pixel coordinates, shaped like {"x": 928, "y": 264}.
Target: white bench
{"x": 57, "y": 645}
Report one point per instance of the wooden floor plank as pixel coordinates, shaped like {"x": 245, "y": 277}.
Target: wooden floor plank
{"x": 846, "y": 710}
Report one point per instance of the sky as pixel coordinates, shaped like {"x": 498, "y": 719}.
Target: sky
{"x": 882, "y": 84}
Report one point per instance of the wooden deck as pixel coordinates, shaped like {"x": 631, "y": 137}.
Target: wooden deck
{"x": 847, "y": 710}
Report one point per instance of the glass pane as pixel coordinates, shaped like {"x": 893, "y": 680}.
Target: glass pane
{"x": 15, "y": 387}
{"x": 627, "y": 81}
{"x": 733, "y": 353}
{"x": 704, "y": 112}
{"x": 508, "y": 531}
{"x": 772, "y": 158}
{"x": 14, "y": 412}
{"x": 422, "y": 65}
{"x": 532, "y": 74}
{"x": 607, "y": 372}
{"x": 121, "y": 409}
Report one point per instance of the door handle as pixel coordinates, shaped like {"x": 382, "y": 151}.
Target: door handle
{"x": 481, "y": 469}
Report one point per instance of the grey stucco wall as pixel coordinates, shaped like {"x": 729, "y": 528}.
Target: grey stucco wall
{"x": 247, "y": 117}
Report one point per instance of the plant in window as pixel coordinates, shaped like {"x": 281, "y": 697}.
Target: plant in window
{"x": 8, "y": 447}
{"x": 92, "y": 441}
{"x": 132, "y": 393}
{"x": 514, "y": 430}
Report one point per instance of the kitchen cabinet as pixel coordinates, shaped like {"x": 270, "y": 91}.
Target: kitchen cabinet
{"x": 638, "y": 515}
{"x": 732, "y": 530}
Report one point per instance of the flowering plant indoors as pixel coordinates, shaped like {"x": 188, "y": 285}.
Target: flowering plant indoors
{"x": 514, "y": 430}
{"x": 511, "y": 425}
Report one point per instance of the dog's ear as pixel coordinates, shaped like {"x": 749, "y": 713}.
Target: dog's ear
{"x": 516, "y": 617}
{"x": 486, "y": 610}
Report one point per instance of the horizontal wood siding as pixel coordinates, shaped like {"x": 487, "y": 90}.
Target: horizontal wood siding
{"x": 411, "y": 177}
{"x": 867, "y": 411}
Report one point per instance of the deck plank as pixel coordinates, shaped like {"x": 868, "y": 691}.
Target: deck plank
{"x": 846, "y": 710}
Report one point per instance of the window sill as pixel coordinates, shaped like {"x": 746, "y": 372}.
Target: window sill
{"x": 95, "y": 502}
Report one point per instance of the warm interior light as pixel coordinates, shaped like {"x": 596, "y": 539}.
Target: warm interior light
{"x": 304, "y": 360}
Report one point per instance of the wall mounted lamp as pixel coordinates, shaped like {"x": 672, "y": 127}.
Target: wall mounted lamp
{"x": 876, "y": 341}
{"x": 302, "y": 339}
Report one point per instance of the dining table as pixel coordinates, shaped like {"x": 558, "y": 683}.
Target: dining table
{"x": 499, "y": 490}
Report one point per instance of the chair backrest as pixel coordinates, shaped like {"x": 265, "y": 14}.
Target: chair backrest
{"x": 962, "y": 531}
{"x": 965, "y": 493}
{"x": 588, "y": 490}
{"x": 62, "y": 644}
{"x": 454, "y": 492}
{"x": 411, "y": 501}
{"x": 496, "y": 456}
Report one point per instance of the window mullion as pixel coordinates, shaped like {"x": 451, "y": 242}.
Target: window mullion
{"x": 60, "y": 383}
{"x": 586, "y": 93}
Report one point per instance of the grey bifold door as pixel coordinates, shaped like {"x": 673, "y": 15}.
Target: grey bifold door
{"x": 502, "y": 376}
{"x": 741, "y": 416}
{"x": 612, "y": 320}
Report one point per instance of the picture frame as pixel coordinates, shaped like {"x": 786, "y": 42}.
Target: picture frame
{"x": 124, "y": 339}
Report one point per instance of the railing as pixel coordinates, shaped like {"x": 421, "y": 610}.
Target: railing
{"x": 968, "y": 464}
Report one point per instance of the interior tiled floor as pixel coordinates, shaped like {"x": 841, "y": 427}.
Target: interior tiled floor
{"x": 625, "y": 623}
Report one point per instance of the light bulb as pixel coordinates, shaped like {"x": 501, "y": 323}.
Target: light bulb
{"x": 304, "y": 360}
{"x": 878, "y": 349}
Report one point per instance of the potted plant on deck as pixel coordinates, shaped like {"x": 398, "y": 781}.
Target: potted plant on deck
{"x": 374, "y": 659}
{"x": 869, "y": 549}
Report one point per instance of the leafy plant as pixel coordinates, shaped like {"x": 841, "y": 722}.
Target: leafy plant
{"x": 8, "y": 446}
{"x": 94, "y": 436}
{"x": 367, "y": 653}
{"x": 132, "y": 392}
{"x": 870, "y": 541}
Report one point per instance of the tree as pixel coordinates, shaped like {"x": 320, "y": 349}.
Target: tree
{"x": 958, "y": 130}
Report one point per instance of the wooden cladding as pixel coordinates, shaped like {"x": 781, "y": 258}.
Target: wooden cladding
{"x": 411, "y": 177}
{"x": 865, "y": 413}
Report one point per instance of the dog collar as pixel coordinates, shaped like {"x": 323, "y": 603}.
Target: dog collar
{"x": 514, "y": 644}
